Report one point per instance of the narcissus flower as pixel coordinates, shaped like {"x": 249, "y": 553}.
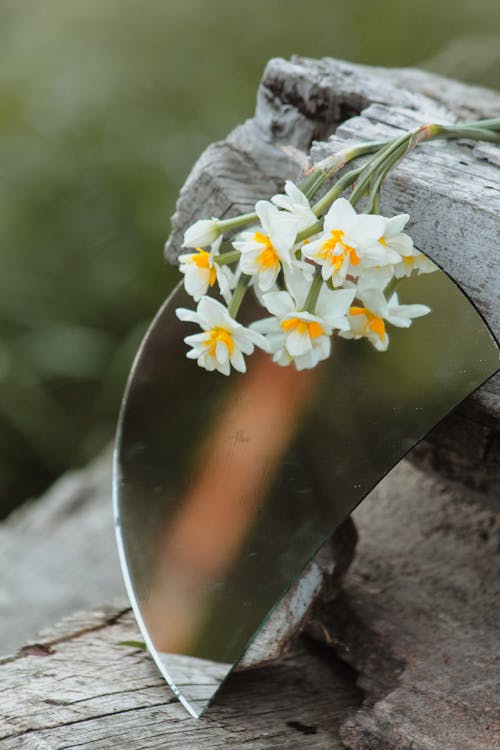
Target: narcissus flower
{"x": 201, "y": 272}
{"x": 348, "y": 236}
{"x": 266, "y": 249}
{"x": 295, "y": 202}
{"x": 394, "y": 237}
{"x": 414, "y": 262}
{"x": 295, "y": 334}
{"x": 223, "y": 341}
{"x": 367, "y": 320}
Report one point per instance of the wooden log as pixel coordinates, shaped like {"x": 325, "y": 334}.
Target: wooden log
{"x": 58, "y": 554}
{"x": 451, "y": 190}
{"x": 77, "y": 687}
{"x": 416, "y": 619}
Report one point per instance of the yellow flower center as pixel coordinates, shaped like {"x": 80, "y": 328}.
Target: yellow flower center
{"x": 409, "y": 260}
{"x": 311, "y": 327}
{"x": 383, "y": 241}
{"x": 373, "y": 322}
{"x": 202, "y": 260}
{"x": 336, "y": 259}
{"x": 268, "y": 257}
{"x": 219, "y": 334}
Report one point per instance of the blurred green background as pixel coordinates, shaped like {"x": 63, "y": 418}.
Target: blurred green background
{"x": 104, "y": 106}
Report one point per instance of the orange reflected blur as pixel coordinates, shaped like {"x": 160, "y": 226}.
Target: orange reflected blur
{"x": 236, "y": 467}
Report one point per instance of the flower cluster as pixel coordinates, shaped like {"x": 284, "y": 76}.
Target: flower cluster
{"x": 314, "y": 279}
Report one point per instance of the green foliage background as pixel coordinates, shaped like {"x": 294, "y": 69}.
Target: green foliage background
{"x": 104, "y": 106}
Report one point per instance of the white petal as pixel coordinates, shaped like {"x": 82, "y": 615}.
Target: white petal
{"x": 266, "y": 325}
{"x": 249, "y": 264}
{"x": 224, "y": 367}
{"x": 195, "y": 339}
{"x": 187, "y": 316}
{"x": 395, "y": 225}
{"x": 283, "y": 202}
{"x": 402, "y": 315}
{"x": 267, "y": 214}
{"x": 332, "y": 305}
{"x": 266, "y": 278}
{"x": 366, "y": 229}
{"x": 375, "y": 301}
{"x": 295, "y": 193}
{"x": 212, "y": 312}
{"x": 340, "y": 215}
{"x": 298, "y": 280}
{"x": 249, "y": 245}
{"x": 297, "y": 343}
{"x": 311, "y": 249}
{"x": 278, "y": 303}
{"x": 257, "y": 339}
{"x": 282, "y": 233}
{"x": 196, "y": 284}
{"x": 238, "y": 361}
{"x": 221, "y": 352}
{"x": 282, "y": 358}
{"x": 402, "y": 244}
{"x": 226, "y": 281}
{"x": 323, "y": 347}
{"x": 380, "y": 344}
{"x": 375, "y": 278}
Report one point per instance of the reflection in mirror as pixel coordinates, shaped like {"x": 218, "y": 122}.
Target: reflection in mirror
{"x": 226, "y": 487}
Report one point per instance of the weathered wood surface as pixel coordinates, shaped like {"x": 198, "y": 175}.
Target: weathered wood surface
{"x": 79, "y": 689}
{"x": 58, "y": 554}
{"x": 416, "y": 618}
{"x": 451, "y": 190}
{"x": 419, "y": 619}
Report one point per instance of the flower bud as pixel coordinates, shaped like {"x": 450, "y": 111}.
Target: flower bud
{"x": 202, "y": 233}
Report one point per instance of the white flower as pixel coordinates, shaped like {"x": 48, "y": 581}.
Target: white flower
{"x": 374, "y": 277}
{"x": 263, "y": 252}
{"x": 348, "y": 235}
{"x": 297, "y": 335}
{"x": 391, "y": 245}
{"x": 368, "y": 319}
{"x": 223, "y": 341}
{"x": 202, "y": 233}
{"x": 201, "y": 272}
{"x": 414, "y": 261}
{"x": 295, "y": 202}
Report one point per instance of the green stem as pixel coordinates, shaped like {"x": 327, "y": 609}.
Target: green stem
{"x": 450, "y": 132}
{"x": 227, "y": 225}
{"x": 238, "y": 295}
{"x": 344, "y": 182}
{"x": 408, "y": 139}
{"x": 391, "y": 287}
{"x": 326, "y": 168}
{"x": 224, "y": 259}
{"x": 373, "y": 204}
{"x": 312, "y": 297}
{"x": 312, "y": 183}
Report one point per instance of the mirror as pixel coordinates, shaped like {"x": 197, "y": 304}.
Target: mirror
{"x": 225, "y": 487}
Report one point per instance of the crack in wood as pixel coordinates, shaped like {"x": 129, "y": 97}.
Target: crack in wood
{"x": 46, "y": 648}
